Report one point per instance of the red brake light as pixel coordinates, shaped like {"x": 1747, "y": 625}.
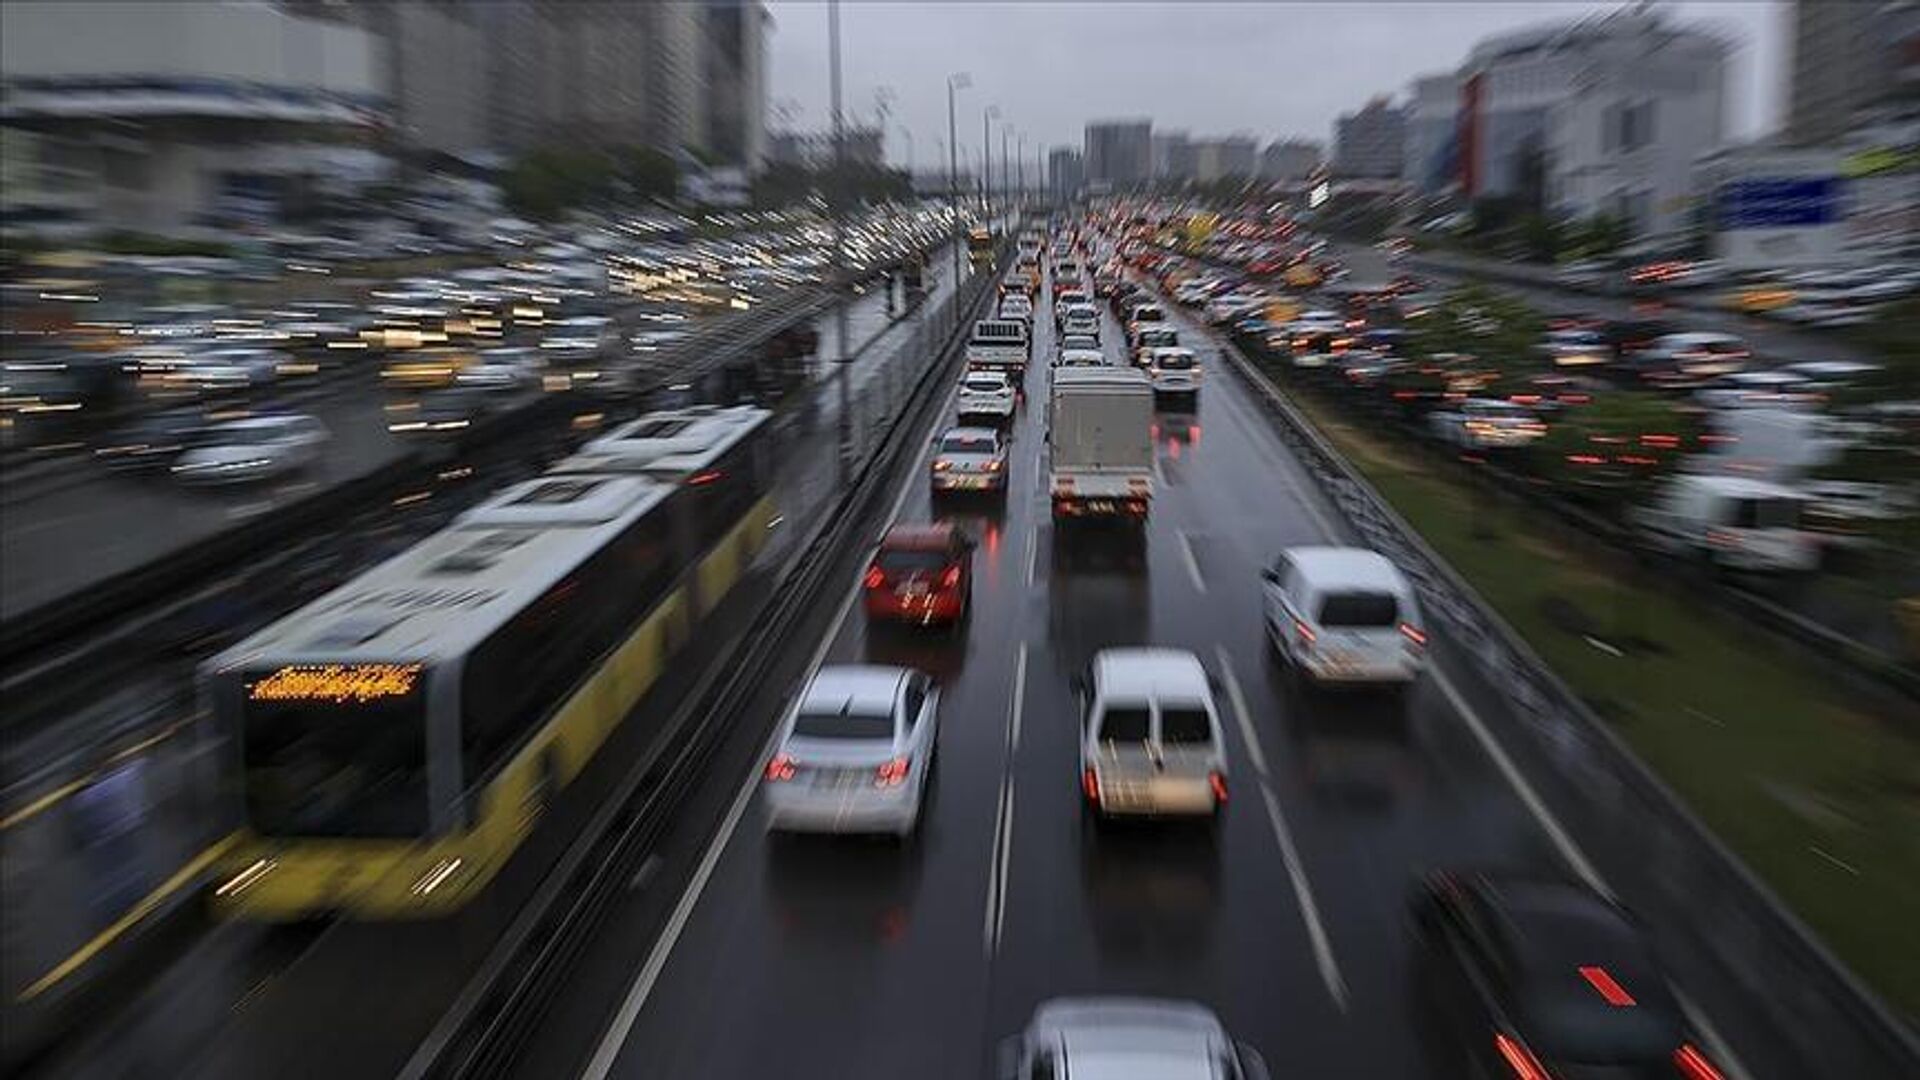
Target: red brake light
{"x": 1413, "y": 634}
{"x": 1694, "y": 1065}
{"x": 1090, "y": 784}
{"x": 1519, "y": 1059}
{"x": 1603, "y": 982}
{"x": 891, "y": 774}
{"x": 950, "y": 577}
{"x": 780, "y": 768}
{"x": 1218, "y": 782}
{"x": 1303, "y": 632}
{"x": 875, "y": 578}
{"x": 703, "y": 478}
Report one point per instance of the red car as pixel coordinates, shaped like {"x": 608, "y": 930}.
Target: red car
{"x": 922, "y": 574}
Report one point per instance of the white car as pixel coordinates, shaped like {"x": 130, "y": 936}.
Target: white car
{"x": 1081, "y": 358}
{"x": 969, "y": 459}
{"x": 855, "y": 752}
{"x": 1486, "y": 424}
{"x": 257, "y": 448}
{"x": 985, "y": 394}
{"x": 1123, "y": 1038}
{"x": 1016, "y": 306}
{"x": 1084, "y": 323}
{"x": 1173, "y": 371}
{"x": 1067, "y": 342}
{"x": 1575, "y": 348}
{"x": 1344, "y": 615}
{"x": 1151, "y": 743}
{"x": 1772, "y": 389}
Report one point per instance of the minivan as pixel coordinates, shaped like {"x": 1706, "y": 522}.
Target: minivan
{"x": 1344, "y": 616}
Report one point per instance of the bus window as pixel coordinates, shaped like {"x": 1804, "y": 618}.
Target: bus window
{"x": 354, "y": 769}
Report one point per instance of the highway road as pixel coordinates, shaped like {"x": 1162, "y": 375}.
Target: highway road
{"x": 744, "y": 954}
{"x": 107, "y": 809}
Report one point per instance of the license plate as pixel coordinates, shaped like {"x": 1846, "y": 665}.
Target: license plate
{"x": 1101, "y": 506}
{"x": 914, "y": 588}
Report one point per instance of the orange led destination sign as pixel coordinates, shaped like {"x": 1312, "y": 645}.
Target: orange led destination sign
{"x": 338, "y": 683}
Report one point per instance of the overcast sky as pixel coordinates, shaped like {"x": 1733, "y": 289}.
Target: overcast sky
{"x": 1266, "y": 69}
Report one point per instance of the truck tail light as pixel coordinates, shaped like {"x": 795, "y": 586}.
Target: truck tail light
{"x": 1090, "y": 784}
{"x": 780, "y": 769}
{"x": 876, "y": 578}
{"x": 891, "y": 774}
{"x": 1413, "y": 634}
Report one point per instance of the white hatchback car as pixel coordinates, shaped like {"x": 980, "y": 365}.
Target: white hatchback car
{"x": 985, "y": 394}
{"x": 1174, "y": 371}
{"x": 1344, "y": 615}
{"x": 257, "y": 448}
{"x": 1151, "y": 744}
{"x": 855, "y": 753}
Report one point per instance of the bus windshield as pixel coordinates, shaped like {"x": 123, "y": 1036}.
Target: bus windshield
{"x": 318, "y": 768}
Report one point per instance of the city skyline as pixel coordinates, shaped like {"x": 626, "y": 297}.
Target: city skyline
{"x": 909, "y": 48}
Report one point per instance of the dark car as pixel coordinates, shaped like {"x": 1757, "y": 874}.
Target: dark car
{"x": 151, "y": 443}
{"x": 1628, "y": 336}
{"x": 1540, "y": 978}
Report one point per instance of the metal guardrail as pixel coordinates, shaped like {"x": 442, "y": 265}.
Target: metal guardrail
{"x": 1654, "y": 851}
{"x": 482, "y": 1032}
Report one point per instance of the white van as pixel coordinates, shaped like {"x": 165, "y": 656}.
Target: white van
{"x": 1732, "y": 521}
{"x": 1344, "y": 615}
{"x": 1151, "y": 744}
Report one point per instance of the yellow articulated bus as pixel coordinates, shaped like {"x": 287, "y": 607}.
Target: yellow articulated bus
{"x": 392, "y": 743}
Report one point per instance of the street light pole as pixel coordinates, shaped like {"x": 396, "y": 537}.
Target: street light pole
{"x": 1021, "y": 172}
{"x": 987, "y": 116}
{"x": 1006, "y": 170}
{"x": 954, "y": 82}
{"x": 835, "y": 204}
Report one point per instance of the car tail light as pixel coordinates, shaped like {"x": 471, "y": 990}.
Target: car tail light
{"x": 1721, "y": 538}
{"x": 891, "y": 774}
{"x": 1694, "y": 1065}
{"x": 875, "y": 578}
{"x": 1304, "y": 633}
{"x": 1413, "y": 634}
{"x": 994, "y": 466}
{"x": 950, "y": 577}
{"x": 1090, "y": 784}
{"x": 1217, "y": 780}
{"x": 781, "y": 768}
{"x": 942, "y": 465}
{"x": 1518, "y": 1058}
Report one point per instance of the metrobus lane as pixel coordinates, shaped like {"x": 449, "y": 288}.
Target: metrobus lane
{"x": 851, "y": 956}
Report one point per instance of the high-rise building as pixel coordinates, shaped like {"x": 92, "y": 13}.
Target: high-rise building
{"x": 1235, "y": 157}
{"x": 1370, "y": 144}
{"x": 1119, "y": 153}
{"x": 736, "y": 80}
{"x": 1290, "y": 160}
{"x": 1065, "y": 173}
{"x": 1849, "y": 56}
{"x": 1598, "y": 115}
{"x": 1433, "y": 119}
{"x": 1173, "y": 156}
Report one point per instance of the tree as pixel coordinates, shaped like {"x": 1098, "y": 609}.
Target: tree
{"x": 1614, "y": 450}
{"x": 544, "y": 183}
{"x": 649, "y": 173}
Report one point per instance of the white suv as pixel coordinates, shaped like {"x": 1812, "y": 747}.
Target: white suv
{"x": 1151, "y": 745}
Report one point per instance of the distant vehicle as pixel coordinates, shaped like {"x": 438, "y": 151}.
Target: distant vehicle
{"x": 1626, "y": 337}
{"x": 1142, "y": 316}
{"x": 500, "y": 370}
{"x": 439, "y": 412}
{"x": 1081, "y": 322}
{"x": 1585, "y": 274}
{"x": 922, "y": 574}
{"x": 1081, "y": 358}
{"x": 1539, "y": 978}
{"x": 154, "y": 442}
{"x": 1068, "y": 342}
{"x": 1731, "y": 521}
{"x": 1575, "y": 348}
{"x": 1016, "y": 306}
{"x": 1486, "y": 424}
{"x": 1687, "y": 361}
{"x": 1153, "y": 336}
{"x": 1100, "y": 443}
{"x": 1344, "y": 616}
{"x": 986, "y": 395}
{"x": 257, "y": 448}
{"x": 1151, "y": 742}
{"x": 855, "y": 753}
{"x": 1175, "y": 372}
{"x": 1757, "y": 389}
{"x": 969, "y": 459}
{"x": 999, "y": 345}
{"x": 1122, "y": 1038}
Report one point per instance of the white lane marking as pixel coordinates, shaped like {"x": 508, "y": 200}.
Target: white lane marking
{"x": 1239, "y": 702}
{"x": 1033, "y": 555}
{"x": 1309, "y": 911}
{"x": 1193, "y": 564}
{"x": 617, "y": 1032}
{"x": 1017, "y": 708}
{"x": 1562, "y": 841}
{"x": 996, "y": 910}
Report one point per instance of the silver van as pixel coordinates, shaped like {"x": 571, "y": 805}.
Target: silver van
{"x": 1151, "y": 744}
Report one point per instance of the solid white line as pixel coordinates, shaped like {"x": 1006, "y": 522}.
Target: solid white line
{"x": 1017, "y": 709}
{"x": 1309, "y": 911}
{"x": 616, "y": 1034}
{"x": 1239, "y": 702}
{"x": 1033, "y": 555}
{"x": 994, "y": 916}
{"x": 1562, "y": 841}
{"x": 1193, "y": 564}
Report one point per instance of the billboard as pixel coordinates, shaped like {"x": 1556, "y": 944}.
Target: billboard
{"x": 1764, "y": 221}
